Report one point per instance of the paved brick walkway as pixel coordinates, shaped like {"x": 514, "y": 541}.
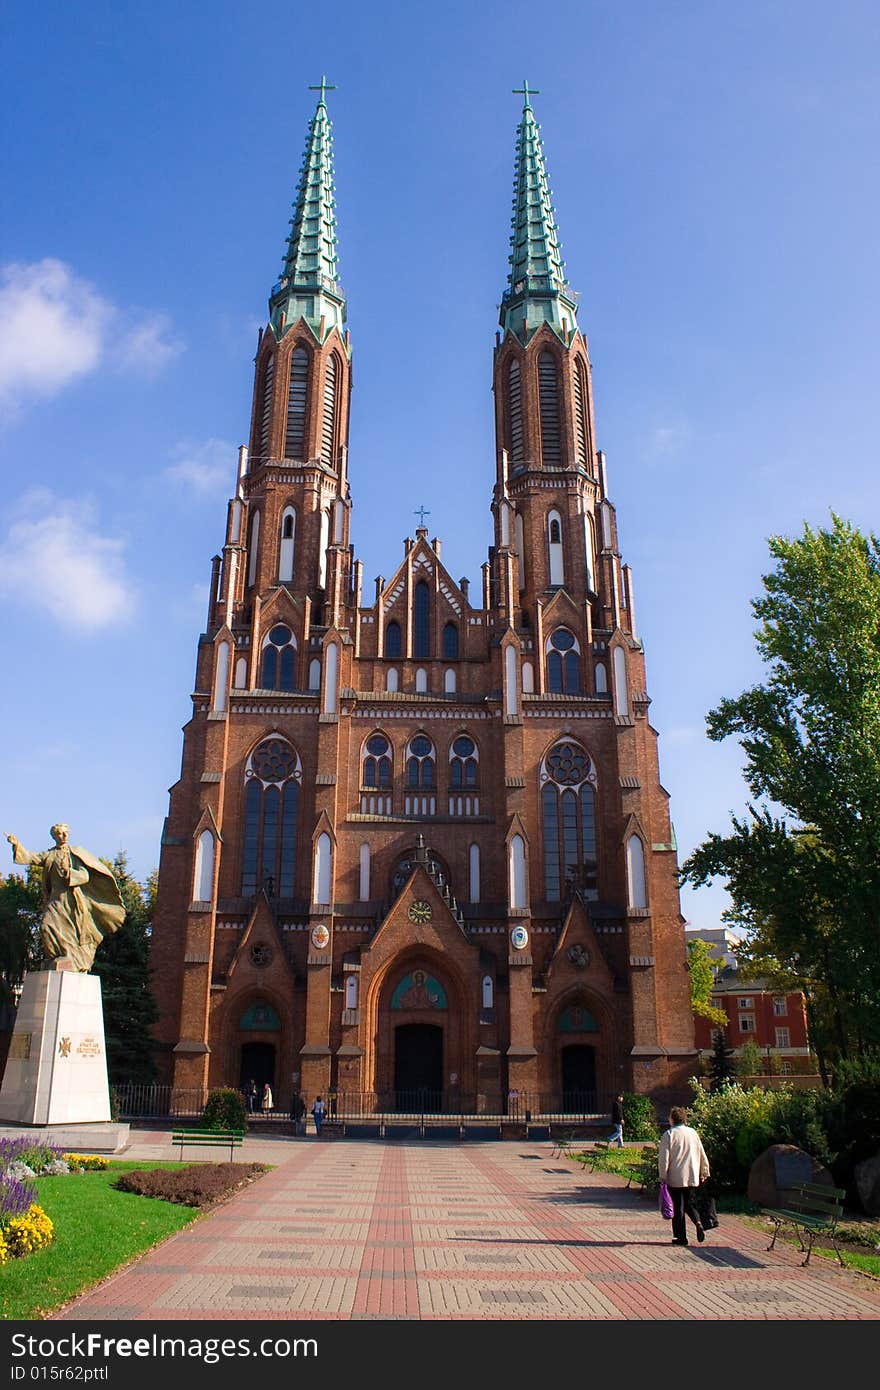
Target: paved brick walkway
{"x": 365, "y": 1230}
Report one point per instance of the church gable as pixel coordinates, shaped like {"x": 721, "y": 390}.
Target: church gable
{"x": 260, "y": 959}
{"x": 421, "y": 915}
{"x": 578, "y": 957}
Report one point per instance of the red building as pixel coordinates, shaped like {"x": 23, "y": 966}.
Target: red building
{"x": 775, "y": 1023}
{"x": 419, "y": 844}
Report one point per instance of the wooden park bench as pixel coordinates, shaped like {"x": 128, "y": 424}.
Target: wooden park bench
{"x": 814, "y": 1210}
{"x": 230, "y": 1139}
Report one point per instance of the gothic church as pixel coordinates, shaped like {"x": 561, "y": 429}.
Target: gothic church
{"x": 419, "y": 853}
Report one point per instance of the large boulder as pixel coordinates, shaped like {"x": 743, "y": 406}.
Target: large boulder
{"x": 867, "y": 1175}
{"x": 781, "y": 1168}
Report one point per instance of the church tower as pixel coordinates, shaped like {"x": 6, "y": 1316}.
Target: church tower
{"x": 419, "y": 853}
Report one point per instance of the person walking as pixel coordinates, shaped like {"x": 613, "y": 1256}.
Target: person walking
{"x": 250, "y": 1092}
{"x": 298, "y": 1114}
{"x": 682, "y": 1165}
{"x": 318, "y": 1115}
{"x": 268, "y": 1102}
{"x": 617, "y": 1121}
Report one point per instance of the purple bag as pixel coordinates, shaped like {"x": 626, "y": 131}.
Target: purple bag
{"x": 665, "y": 1202}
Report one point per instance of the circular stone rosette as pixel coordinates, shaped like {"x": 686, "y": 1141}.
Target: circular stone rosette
{"x": 519, "y": 938}
{"x": 320, "y": 937}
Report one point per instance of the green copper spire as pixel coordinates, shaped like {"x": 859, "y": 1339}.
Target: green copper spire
{"x": 308, "y": 287}
{"x": 537, "y": 291}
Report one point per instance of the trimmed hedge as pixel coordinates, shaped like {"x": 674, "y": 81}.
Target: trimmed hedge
{"x": 197, "y": 1185}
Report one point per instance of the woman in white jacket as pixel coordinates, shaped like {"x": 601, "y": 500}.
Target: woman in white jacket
{"x": 683, "y": 1166}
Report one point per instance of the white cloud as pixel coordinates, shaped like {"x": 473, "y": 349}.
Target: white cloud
{"x": 52, "y": 327}
{"x": 667, "y": 440}
{"x": 208, "y": 468}
{"x": 150, "y": 344}
{"x": 55, "y": 327}
{"x": 54, "y": 559}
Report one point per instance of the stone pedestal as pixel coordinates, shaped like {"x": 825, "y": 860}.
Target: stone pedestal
{"x": 56, "y": 1071}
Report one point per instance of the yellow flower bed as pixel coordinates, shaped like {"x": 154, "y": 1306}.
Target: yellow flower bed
{"x": 22, "y": 1235}
{"x": 86, "y": 1162}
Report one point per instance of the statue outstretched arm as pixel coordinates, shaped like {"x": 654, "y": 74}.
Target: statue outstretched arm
{"x": 20, "y": 855}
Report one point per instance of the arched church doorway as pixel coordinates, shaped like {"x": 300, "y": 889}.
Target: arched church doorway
{"x": 578, "y": 1079}
{"x": 418, "y": 1067}
{"x": 257, "y": 1064}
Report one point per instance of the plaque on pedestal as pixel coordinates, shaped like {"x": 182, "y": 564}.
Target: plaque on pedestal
{"x": 56, "y": 1071}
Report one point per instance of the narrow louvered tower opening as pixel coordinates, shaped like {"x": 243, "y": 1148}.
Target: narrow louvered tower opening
{"x": 514, "y": 412}
{"x": 297, "y": 400}
{"x": 580, "y": 415}
{"x": 328, "y": 426}
{"x": 266, "y": 422}
{"x": 548, "y": 402}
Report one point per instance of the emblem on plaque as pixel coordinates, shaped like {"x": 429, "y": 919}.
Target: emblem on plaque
{"x": 420, "y": 911}
{"x": 64, "y": 1047}
{"x": 320, "y": 937}
{"x": 519, "y": 938}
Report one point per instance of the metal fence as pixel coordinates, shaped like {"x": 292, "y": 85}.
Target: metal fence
{"x": 134, "y": 1100}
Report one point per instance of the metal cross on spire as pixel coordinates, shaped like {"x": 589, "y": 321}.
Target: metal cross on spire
{"x": 524, "y": 92}
{"x": 323, "y": 88}
{"x": 421, "y": 513}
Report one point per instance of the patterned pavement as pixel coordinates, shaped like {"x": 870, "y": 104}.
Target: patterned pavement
{"x": 356, "y": 1229}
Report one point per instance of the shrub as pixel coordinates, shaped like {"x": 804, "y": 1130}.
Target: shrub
{"x": 224, "y": 1109}
{"x": 86, "y": 1163}
{"x": 39, "y": 1156}
{"x": 25, "y": 1234}
{"x": 197, "y": 1185}
{"x": 639, "y": 1119}
{"x": 738, "y": 1123}
{"x": 648, "y": 1175}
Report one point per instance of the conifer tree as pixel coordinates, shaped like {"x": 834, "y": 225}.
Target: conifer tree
{"x": 122, "y": 961}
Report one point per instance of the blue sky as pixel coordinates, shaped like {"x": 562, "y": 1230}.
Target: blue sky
{"x": 714, "y": 174}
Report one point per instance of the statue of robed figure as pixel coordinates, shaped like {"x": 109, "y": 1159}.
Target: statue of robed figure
{"x": 81, "y": 900}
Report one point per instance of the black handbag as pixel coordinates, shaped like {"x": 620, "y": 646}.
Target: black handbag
{"x": 707, "y": 1212}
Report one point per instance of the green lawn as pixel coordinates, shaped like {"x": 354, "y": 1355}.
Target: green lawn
{"x": 97, "y": 1229}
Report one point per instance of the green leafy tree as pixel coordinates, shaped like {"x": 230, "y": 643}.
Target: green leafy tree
{"x": 750, "y": 1061}
{"x": 20, "y": 949}
{"x": 701, "y": 968}
{"x": 805, "y": 885}
{"x": 122, "y": 962}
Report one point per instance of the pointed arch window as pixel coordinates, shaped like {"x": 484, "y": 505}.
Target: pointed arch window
{"x": 514, "y": 412}
{"x": 516, "y": 867}
{"x": 568, "y": 813}
{"x": 363, "y": 881}
{"x": 392, "y": 679}
{"x": 266, "y": 418}
{"x": 635, "y": 873}
{"x": 421, "y": 777}
{"x": 474, "y": 873}
{"x": 580, "y": 414}
{"x": 548, "y": 405}
{"x": 221, "y": 678}
{"x": 297, "y": 405}
{"x": 203, "y": 885}
{"x": 421, "y": 620}
{"x": 393, "y": 645}
{"x": 286, "y": 548}
{"x": 273, "y": 774}
{"x": 322, "y": 888}
{"x": 254, "y": 550}
{"x": 554, "y": 545}
{"x": 376, "y": 776}
{"x": 450, "y": 642}
{"x": 464, "y": 777}
{"x": 563, "y": 663}
{"x": 589, "y": 553}
{"x": 279, "y": 659}
{"x": 328, "y": 423}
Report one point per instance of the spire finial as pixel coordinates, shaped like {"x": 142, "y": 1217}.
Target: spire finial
{"x": 524, "y": 92}
{"x": 421, "y": 513}
{"x": 322, "y": 89}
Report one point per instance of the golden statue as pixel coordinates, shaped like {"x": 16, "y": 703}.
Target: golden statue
{"x": 81, "y": 900}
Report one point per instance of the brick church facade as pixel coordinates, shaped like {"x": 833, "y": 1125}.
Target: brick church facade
{"x": 419, "y": 846}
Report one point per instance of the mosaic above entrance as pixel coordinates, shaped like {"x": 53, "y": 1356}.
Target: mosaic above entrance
{"x": 419, "y": 990}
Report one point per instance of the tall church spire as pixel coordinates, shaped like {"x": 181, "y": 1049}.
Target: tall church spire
{"x": 537, "y": 291}
{"x": 308, "y": 287}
